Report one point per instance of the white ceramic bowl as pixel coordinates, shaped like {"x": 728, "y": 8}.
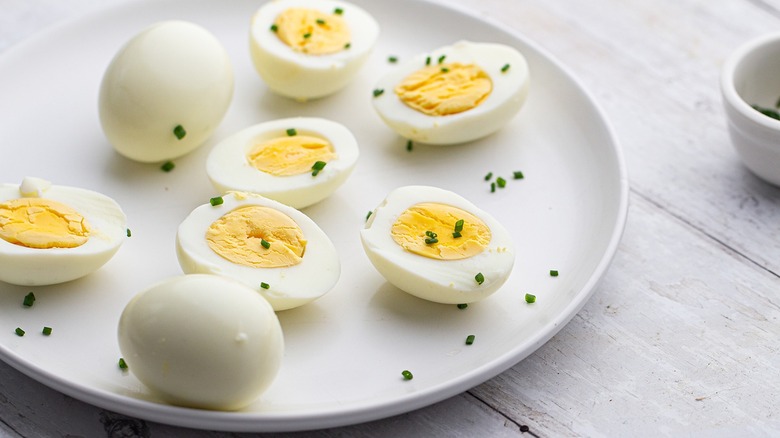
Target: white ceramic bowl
{"x": 751, "y": 76}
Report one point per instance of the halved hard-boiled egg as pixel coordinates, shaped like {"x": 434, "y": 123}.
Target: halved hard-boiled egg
{"x": 270, "y": 247}
{"x": 202, "y": 341}
{"x": 51, "y": 234}
{"x": 165, "y": 91}
{"x": 297, "y": 161}
{"x": 454, "y": 94}
{"x": 307, "y": 49}
{"x": 436, "y": 245}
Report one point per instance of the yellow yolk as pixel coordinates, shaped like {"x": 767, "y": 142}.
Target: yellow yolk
{"x": 312, "y": 32}
{"x": 42, "y": 223}
{"x": 286, "y": 156}
{"x": 238, "y": 237}
{"x": 444, "y": 89}
{"x": 410, "y": 229}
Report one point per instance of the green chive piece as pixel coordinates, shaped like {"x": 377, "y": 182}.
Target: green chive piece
{"x": 347, "y": 45}
{"x": 179, "y": 132}
{"x": 378, "y": 92}
{"x": 431, "y": 240}
{"x": 530, "y": 298}
{"x": 338, "y": 11}
{"x": 307, "y": 35}
{"x": 462, "y": 306}
{"x": 167, "y": 166}
{"x": 129, "y": 233}
{"x": 291, "y": 132}
{"x": 265, "y": 244}
{"x": 407, "y": 375}
{"x": 504, "y": 68}
{"x": 317, "y": 167}
{"x": 501, "y": 182}
{"x": 441, "y": 58}
{"x": 369, "y": 214}
{"x": 431, "y": 234}
{"x": 492, "y": 187}
{"x": 469, "y": 339}
{"x": 428, "y": 60}
{"x": 457, "y": 234}
{"x": 320, "y": 21}
{"x": 392, "y": 59}
{"x": 459, "y": 226}
{"x": 274, "y": 28}
{"x": 409, "y": 145}
{"x": 264, "y": 285}
{"x": 19, "y": 332}
{"x": 518, "y": 175}
{"x": 122, "y": 363}
{"x": 445, "y": 70}
{"x": 29, "y": 299}
{"x": 553, "y": 273}
{"x": 480, "y": 278}
{"x": 217, "y": 200}
{"x": 488, "y": 176}
{"x": 46, "y": 331}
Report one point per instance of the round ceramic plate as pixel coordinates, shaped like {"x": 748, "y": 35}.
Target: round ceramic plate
{"x": 345, "y": 352}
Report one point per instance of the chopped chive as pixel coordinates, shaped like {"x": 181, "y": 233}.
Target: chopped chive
{"x": 431, "y": 234}
{"x": 291, "y": 132}
{"x": 428, "y": 60}
{"x": 518, "y": 175}
{"x": 317, "y": 167}
{"x": 347, "y": 45}
{"x": 320, "y": 21}
{"x": 19, "y": 332}
{"x": 409, "y": 145}
{"x": 392, "y": 59}
{"x": 369, "y": 214}
{"x": 441, "y": 58}
{"x": 122, "y": 363}
{"x": 29, "y": 299}
{"x": 530, "y": 298}
{"x": 480, "y": 278}
{"x": 264, "y": 285}
{"x": 46, "y": 331}
{"x": 431, "y": 240}
{"x": 459, "y": 225}
{"x": 407, "y": 375}
{"x": 307, "y": 35}
{"x": 488, "y": 176}
{"x": 274, "y": 28}
{"x": 129, "y": 233}
{"x": 492, "y": 187}
{"x": 167, "y": 166}
{"x": 504, "y": 68}
{"x": 456, "y": 234}
{"x": 179, "y": 132}
{"x": 217, "y": 200}
{"x": 378, "y": 92}
{"x": 265, "y": 244}
{"x": 445, "y": 70}
{"x": 469, "y": 339}
{"x": 553, "y": 273}
{"x": 501, "y": 182}
{"x": 462, "y": 306}
{"x": 338, "y": 11}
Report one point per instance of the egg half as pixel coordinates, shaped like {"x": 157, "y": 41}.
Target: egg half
{"x": 307, "y": 49}
{"x": 296, "y": 161}
{"x": 52, "y": 234}
{"x": 436, "y": 245}
{"x": 202, "y": 341}
{"x": 165, "y": 91}
{"x": 454, "y": 94}
{"x": 271, "y": 247}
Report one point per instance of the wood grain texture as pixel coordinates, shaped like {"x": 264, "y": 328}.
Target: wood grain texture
{"x": 682, "y": 336}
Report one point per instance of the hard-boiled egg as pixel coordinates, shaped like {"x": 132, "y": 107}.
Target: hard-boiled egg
{"x": 306, "y": 49}
{"x": 165, "y": 91}
{"x": 296, "y": 161}
{"x": 453, "y": 94}
{"x": 270, "y": 247}
{"x": 436, "y": 245}
{"x": 51, "y": 234}
{"x": 202, "y": 341}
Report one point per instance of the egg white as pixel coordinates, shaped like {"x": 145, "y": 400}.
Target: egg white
{"x": 441, "y": 281}
{"x": 301, "y": 76}
{"x": 36, "y": 266}
{"x": 290, "y": 286}
{"x": 510, "y": 89}
{"x": 229, "y": 169}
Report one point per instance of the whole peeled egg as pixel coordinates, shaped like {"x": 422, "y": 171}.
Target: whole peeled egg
{"x": 51, "y": 234}
{"x": 165, "y": 91}
{"x": 454, "y": 94}
{"x": 436, "y": 245}
{"x": 202, "y": 341}
{"x": 307, "y": 49}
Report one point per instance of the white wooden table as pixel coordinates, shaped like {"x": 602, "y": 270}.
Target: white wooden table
{"x": 682, "y": 338}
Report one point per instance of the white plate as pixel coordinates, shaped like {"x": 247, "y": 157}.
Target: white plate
{"x": 345, "y": 352}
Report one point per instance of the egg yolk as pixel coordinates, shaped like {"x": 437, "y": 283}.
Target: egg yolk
{"x": 42, "y": 223}
{"x": 311, "y": 31}
{"x": 259, "y": 237}
{"x": 428, "y": 229}
{"x": 291, "y": 155}
{"x": 444, "y": 89}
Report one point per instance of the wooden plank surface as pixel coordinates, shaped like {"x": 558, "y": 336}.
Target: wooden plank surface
{"x": 682, "y": 336}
